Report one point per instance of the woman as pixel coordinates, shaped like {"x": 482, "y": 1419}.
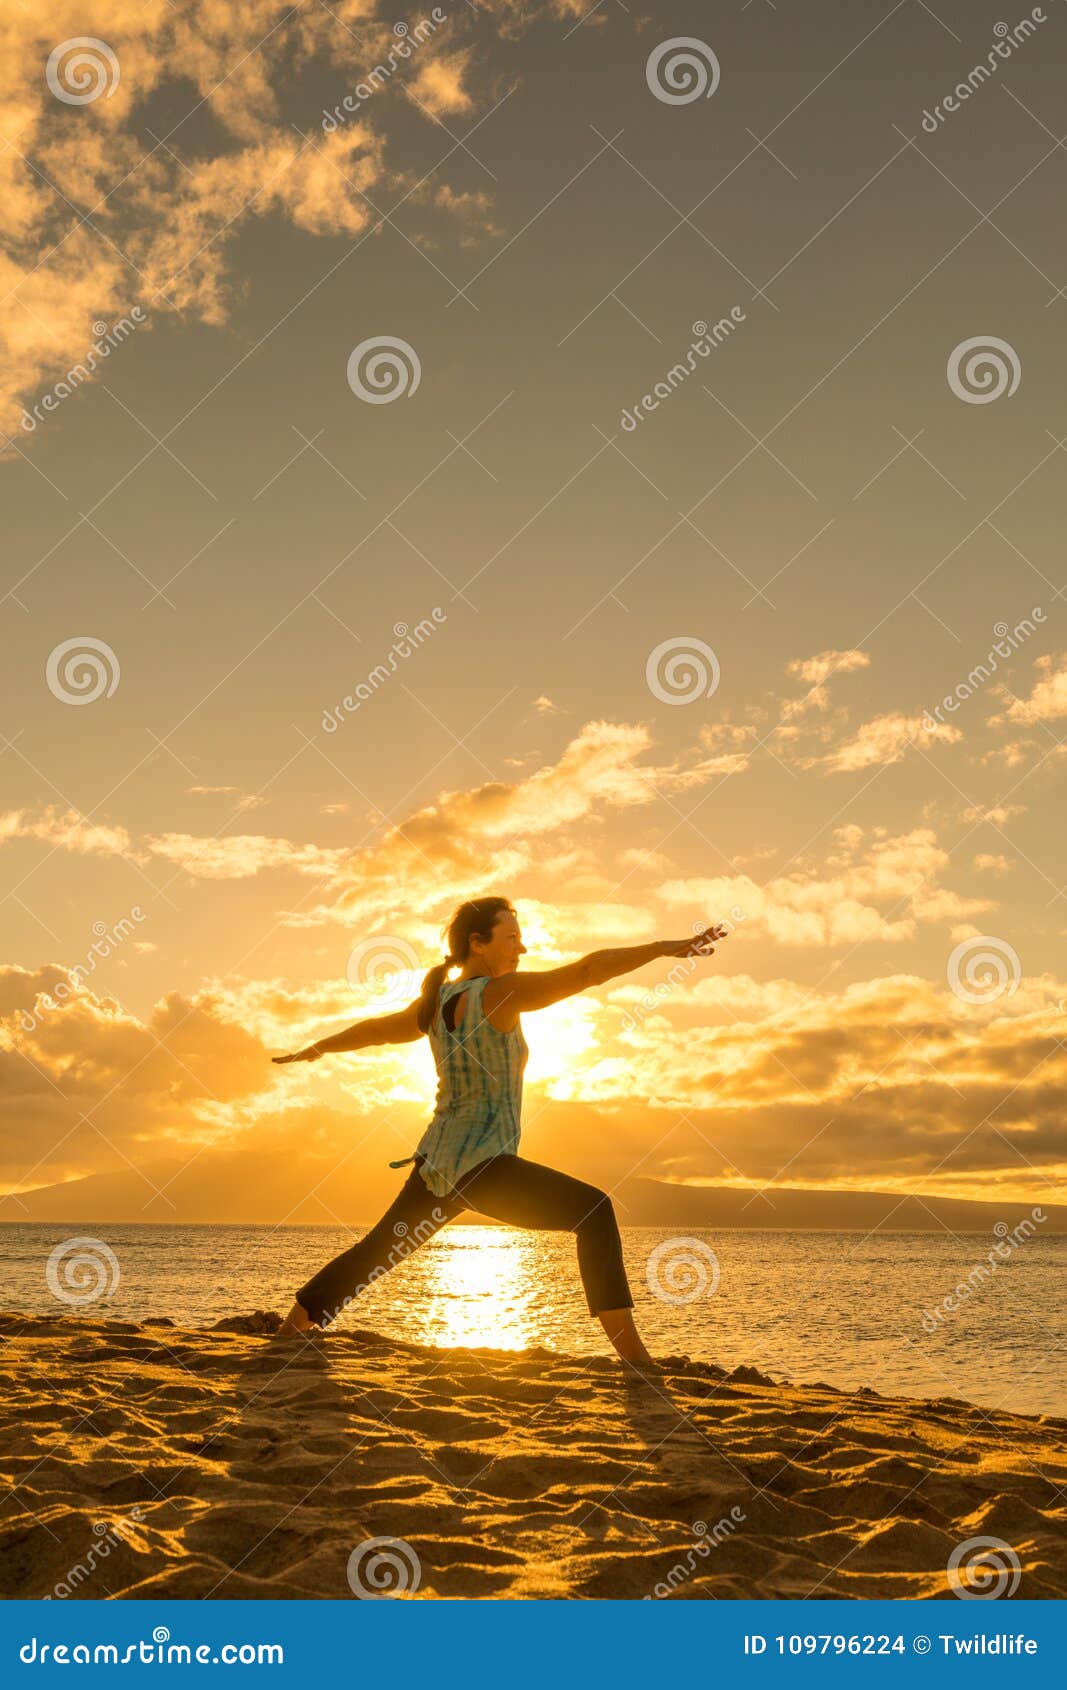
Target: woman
{"x": 467, "y": 1157}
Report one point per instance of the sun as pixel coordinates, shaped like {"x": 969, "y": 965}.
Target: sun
{"x": 558, "y": 1037}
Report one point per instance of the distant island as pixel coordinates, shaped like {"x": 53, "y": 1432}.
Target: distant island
{"x": 226, "y": 1188}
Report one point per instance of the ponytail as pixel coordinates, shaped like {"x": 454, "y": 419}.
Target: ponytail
{"x": 431, "y": 985}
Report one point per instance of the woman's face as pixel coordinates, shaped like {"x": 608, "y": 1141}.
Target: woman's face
{"x": 501, "y": 952}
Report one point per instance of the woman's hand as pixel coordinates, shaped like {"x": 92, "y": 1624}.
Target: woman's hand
{"x": 311, "y": 1053}
{"x": 698, "y": 944}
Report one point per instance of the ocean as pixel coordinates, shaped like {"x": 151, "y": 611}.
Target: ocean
{"x": 905, "y": 1314}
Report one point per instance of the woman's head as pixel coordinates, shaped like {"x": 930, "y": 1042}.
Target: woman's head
{"x": 488, "y": 930}
{"x": 483, "y": 930}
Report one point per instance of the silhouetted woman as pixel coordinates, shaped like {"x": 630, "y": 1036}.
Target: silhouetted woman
{"x": 467, "y": 1157}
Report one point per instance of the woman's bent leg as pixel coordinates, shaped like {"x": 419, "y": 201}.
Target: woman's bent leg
{"x": 509, "y": 1188}
{"x": 410, "y": 1220}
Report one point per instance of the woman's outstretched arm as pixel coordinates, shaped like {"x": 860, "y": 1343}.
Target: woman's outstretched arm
{"x": 509, "y": 995}
{"x": 400, "y": 1028}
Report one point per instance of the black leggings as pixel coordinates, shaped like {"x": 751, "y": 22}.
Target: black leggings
{"x": 507, "y": 1188}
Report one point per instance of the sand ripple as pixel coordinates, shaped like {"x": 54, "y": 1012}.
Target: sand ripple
{"x": 156, "y": 1461}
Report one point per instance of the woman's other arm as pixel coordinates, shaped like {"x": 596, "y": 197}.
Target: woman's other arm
{"x": 508, "y": 996}
{"x": 400, "y": 1028}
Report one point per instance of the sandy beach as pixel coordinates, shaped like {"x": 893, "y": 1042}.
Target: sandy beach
{"x": 149, "y": 1460}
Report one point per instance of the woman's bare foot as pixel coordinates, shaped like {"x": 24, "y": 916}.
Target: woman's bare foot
{"x": 620, "y": 1328}
{"x": 297, "y": 1323}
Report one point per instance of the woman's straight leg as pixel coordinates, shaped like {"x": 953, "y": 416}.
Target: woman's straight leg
{"x": 413, "y": 1217}
{"x": 509, "y": 1188}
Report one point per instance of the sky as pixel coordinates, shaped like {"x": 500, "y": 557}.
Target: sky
{"x": 609, "y": 457}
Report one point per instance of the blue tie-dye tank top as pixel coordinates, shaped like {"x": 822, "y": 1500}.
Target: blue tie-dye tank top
{"x": 479, "y": 1090}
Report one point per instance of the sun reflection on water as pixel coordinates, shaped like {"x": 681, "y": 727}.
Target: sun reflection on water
{"x": 481, "y": 1288}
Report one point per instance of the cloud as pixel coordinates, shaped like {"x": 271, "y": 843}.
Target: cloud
{"x": 884, "y": 740}
{"x": 116, "y": 202}
{"x": 473, "y": 212}
{"x": 788, "y": 728}
{"x": 239, "y": 856}
{"x": 83, "y": 1082}
{"x": 542, "y": 826}
{"x": 245, "y": 800}
{"x": 219, "y": 857}
{"x": 998, "y": 814}
{"x": 1048, "y": 699}
{"x": 889, "y": 1084}
{"x": 439, "y": 84}
{"x": 69, "y": 831}
{"x": 877, "y": 889}
{"x": 816, "y": 672}
{"x": 497, "y": 832}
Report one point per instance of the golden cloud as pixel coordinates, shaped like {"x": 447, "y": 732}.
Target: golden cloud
{"x": 102, "y": 213}
{"x": 878, "y": 890}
